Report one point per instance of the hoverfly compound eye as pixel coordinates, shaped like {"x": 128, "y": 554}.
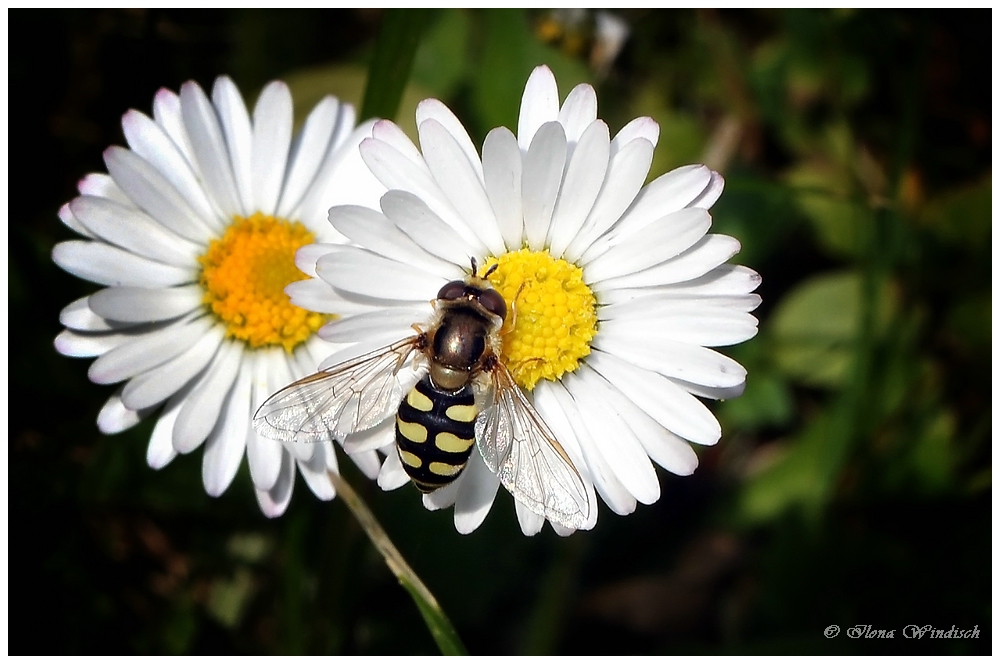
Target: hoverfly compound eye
{"x": 493, "y": 302}
{"x": 452, "y": 290}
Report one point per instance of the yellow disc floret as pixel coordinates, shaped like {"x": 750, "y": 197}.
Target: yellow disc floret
{"x": 244, "y": 274}
{"x": 552, "y": 315}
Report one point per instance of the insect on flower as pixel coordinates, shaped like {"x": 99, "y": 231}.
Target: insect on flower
{"x": 458, "y": 368}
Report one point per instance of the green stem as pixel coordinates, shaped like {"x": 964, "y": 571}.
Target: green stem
{"x": 437, "y": 622}
{"x": 393, "y": 59}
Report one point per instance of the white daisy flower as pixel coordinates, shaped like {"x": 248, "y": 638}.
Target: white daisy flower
{"x": 617, "y": 290}
{"x": 192, "y": 233}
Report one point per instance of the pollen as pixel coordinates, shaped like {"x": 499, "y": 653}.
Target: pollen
{"x": 552, "y": 315}
{"x": 244, "y": 274}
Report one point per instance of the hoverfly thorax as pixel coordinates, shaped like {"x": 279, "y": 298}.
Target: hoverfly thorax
{"x": 471, "y": 314}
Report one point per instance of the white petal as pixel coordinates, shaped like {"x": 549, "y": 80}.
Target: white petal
{"x": 717, "y": 393}
{"x": 685, "y": 320}
{"x": 110, "y": 266}
{"x": 502, "y": 179}
{"x": 115, "y": 417}
{"x": 263, "y": 454}
{"x": 668, "y": 193}
{"x": 274, "y": 501}
{"x": 167, "y": 114}
{"x": 148, "y": 140}
{"x": 392, "y": 476}
{"x": 225, "y": 445}
{"x": 461, "y": 182}
{"x": 368, "y": 463}
{"x": 396, "y": 171}
{"x": 101, "y": 185}
{"x": 389, "y": 132}
{"x": 162, "y": 381}
{"x": 427, "y": 229}
{"x": 317, "y": 295}
{"x": 78, "y": 315}
{"x": 443, "y": 497}
{"x": 315, "y": 473}
{"x": 272, "y": 139}
{"x": 146, "y": 351}
{"x": 161, "y": 444}
{"x": 614, "y": 493}
{"x": 658, "y": 242}
{"x": 643, "y": 127}
{"x": 539, "y": 104}
{"x": 89, "y": 344}
{"x": 540, "y": 180}
{"x": 626, "y": 173}
{"x": 707, "y": 254}
{"x": 531, "y": 523}
{"x": 133, "y": 230}
{"x": 209, "y": 146}
{"x": 142, "y": 305}
{"x": 578, "y": 111}
{"x": 382, "y": 322}
{"x": 665, "y": 448}
{"x": 475, "y": 495}
{"x": 71, "y": 222}
{"x": 711, "y": 194}
{"x": 359, "y": 271}
{"x": 660, "y": 398}
{"x": 618, "y": 445}
{"x": 728, "y": 285}
{"x": 306, "y": 257}
{"x": 238, "y": 132}
{"x": 153, "y": 193}
{"x": 201, "y": 410}
{"x": 432, "y": 109}
{"x": 582, "y": 183}
{"x": 311, "y": 146}
{"x": 373, "y": 231}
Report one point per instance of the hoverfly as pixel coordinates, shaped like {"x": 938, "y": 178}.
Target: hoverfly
{"x": 464, "y": 395}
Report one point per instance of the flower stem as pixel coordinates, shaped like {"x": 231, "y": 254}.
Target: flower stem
{"x": 437, "y": 622}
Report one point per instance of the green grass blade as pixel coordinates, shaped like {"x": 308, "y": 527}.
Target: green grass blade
{"x": 392, "y": 61}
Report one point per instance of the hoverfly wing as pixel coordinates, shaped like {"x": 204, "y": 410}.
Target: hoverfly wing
{"x": 352, "y": 396}
{"x": 520, "y": 448}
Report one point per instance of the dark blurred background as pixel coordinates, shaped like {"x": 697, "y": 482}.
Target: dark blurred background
{"x": 853, "y": 481}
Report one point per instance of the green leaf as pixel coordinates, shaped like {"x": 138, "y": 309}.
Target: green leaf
{"x": 442, "y": 62}
{"x": 766, "y": 402}
{"x": 392, "y": 61}
{"x": 815, "y": 327}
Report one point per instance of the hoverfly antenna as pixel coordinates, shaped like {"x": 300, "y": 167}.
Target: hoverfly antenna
{"x": 475, "y": 268}
{"x": 490, "y": 270}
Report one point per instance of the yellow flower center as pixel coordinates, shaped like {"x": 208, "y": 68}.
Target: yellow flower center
{"x": 244, "y": 274}
{"x": 552, "y": 315}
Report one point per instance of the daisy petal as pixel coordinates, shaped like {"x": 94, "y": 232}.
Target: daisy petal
{"x": 427, "y": 229}
{"x": 167, "y": 114}
{"x": 88, "y": 344}
{"x": 148, "y": 140}
{"x": 711, "y": 194}
{"x": 263, "y": 454}
{"x": 668, "y": 404}
{"x": 707, "y": 254}
{"x": 643, "y": 127}
{"x": 443, "y": 497}
{"x": 475, "y": 495}
{"x": 578, "y": 112}
{"x": 161, "y": 450}
{"x": 201, "y": 410}
{"x": 79, "y": 316}
{"x": 502, "y": 179}
{"x": 539, "y": 104}
{"x": 540, "y": 180}
{"x": 395, "y": 280}
{"x": 115, "y": 417}
{"x": 311, "y": 146}
{"x": 66, "y": 216}
{"x": 698, "y": 322}
{"x": 274, "y": 501}
{"x": 146, "y": 351}
{"x": 154, "y": 194}
{"x": 432, "y": 109}
{"x": 315, "y": 473}
{"x": 209, "y": 146}
{"x": 625, "y": 175}
{"x": 368, "y": 463}
{"x": 111, "y": 266}
{"x": 657, "y": 243}
{"x": 580, "y": 187}
{"x": 238, "y": 131}
{"x": 157, "y": 384}
{"x": 382, "y": 322}
{"x": 389, "y": 132}
{"x": 531, "y": 523}
{"x": 143, "y": 305}
{"x": 460, "y": 181}
{"x": 102, "y": 186}
{"x": 272, "y": 138}
{"x": 133, "y": 230}
{"x": 392, "y": 476}
{"x": 225, "y": 445}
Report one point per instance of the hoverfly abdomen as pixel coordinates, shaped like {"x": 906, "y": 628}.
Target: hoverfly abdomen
{"x": 435, "y": 432}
